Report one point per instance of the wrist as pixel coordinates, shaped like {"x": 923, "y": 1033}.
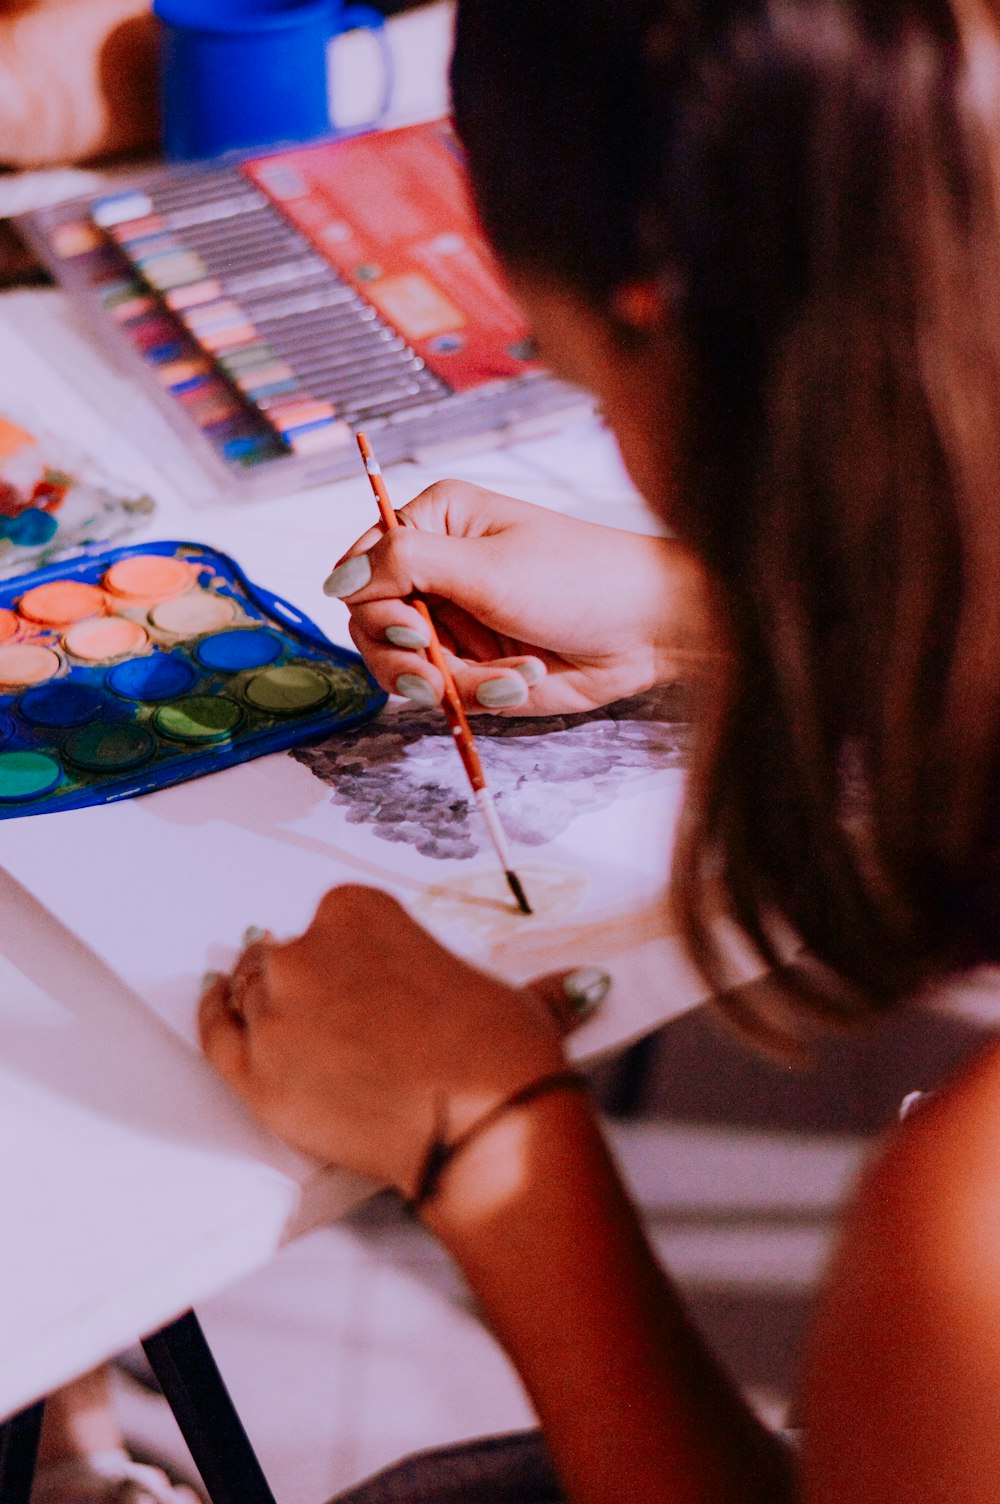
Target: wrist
{"x": 444, "y": 1150}
{"x": 685, "y": 632}
{"x": 500, "y": 1162}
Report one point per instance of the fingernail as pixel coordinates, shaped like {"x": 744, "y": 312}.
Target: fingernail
{"x": 251, "y": 935}
{"x": 209, "y": 980}
{"x": 501, "y": 693}
{"x": 407, "y": 637}
{"x": 414, "y": 687}
{"x": 911, "y": 1102}
{"x": 586, "y": 988}
{"x": 532, "y": 670}
{"x": 348, "y": 578}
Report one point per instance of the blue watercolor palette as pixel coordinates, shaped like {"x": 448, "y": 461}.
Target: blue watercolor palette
{"x": 152, "y": 664}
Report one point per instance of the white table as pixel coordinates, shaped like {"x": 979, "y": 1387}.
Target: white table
{"x": 138, "y": 1185}
{"x": 133, "y": 1185}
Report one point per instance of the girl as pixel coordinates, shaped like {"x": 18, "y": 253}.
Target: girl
{"x": 765, "y": 233}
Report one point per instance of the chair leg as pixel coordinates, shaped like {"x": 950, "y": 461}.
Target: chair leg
{"x": 194, "y": 1389}
{"x": 18, "y": 1452}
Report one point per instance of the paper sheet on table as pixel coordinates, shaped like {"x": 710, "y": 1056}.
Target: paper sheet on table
{"x": 163, "y": 887}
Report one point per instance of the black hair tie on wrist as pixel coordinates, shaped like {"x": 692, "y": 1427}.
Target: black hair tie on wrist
{"x": 440, "y": 1154}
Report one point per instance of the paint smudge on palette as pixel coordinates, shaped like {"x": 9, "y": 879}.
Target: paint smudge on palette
{"x": 400, "y": 776}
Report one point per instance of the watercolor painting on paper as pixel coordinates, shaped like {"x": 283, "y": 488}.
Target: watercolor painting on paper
{"x": 399, "y": 775}
{"x": 589, "y": 803}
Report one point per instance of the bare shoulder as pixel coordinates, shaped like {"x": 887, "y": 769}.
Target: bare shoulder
{"x": 935, "y": 1188}
{"x": 901, "y": 1388}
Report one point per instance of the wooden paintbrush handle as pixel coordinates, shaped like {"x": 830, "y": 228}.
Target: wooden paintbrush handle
{"x": 453, "y": 707}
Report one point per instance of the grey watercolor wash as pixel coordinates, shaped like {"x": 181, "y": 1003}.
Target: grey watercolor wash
{"x": 401, "y": 776}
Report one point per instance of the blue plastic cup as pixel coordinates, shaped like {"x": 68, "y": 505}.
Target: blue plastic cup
{"x": 242, "y": 73}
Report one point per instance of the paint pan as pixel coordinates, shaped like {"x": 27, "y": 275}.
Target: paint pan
{"x": 191, "y": 615}
{"x": 159, "y": 676}
{"x": 199, "y": 718}
{"x": 103, "y": 638}
{"x": 60, "y": 602}
{"x": 149, "y": 577}
{"x": 27, "y": 775}
{"x": 288, "y": 690}
{"x": 26, "y": 663}
{"x": 239, "y": 649}
{"x": 62, "y": 704}
{"x": 107, "y": 747}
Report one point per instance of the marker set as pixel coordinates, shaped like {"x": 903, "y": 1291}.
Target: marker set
{"x": 346, "y": 363}
{"x": 165, "y": 354}
{"x": 152, "y": 665}
{"x": 274, "y": 306}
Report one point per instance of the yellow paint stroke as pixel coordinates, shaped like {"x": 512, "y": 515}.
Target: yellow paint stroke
{"x": 481, "y": 903}
{"x": 560, "y": 932}
{"x": 609, "y": 932}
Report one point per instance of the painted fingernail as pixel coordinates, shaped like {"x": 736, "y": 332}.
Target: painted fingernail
{"x": 532, "y": 670}
{"x": 407, "y": 637}
{"x": 348, "y": 578}
{"x": 251, "y": 935}
{"x": 586, "y": 988}
{"x": 911, "y": 1102}
{"x": 414, "y": 687}
{"x": 211, "y": 979}
{"x": 498, "y": 694}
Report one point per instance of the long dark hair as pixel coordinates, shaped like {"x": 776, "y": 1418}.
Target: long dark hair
{"x": 808, "y": 181}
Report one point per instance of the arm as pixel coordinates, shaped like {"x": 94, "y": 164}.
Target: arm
{"x": 77, "y": 81}
{"x": 356, "y": 1043}
{"x": 632, "y": 1404}
{"x": 566, "y": 615}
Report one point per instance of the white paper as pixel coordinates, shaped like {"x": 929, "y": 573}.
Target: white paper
{"x": 163, "y": 887}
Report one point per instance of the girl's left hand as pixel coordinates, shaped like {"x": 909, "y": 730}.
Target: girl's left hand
{"x": 363, "y": 1040}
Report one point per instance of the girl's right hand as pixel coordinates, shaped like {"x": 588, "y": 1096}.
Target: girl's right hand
{"x": 539, "y": 614}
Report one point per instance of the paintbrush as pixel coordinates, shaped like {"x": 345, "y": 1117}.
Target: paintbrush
{"x": 451, "y": 704}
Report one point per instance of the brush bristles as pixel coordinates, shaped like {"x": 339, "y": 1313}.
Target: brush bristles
{"x": 515, "y": 886}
